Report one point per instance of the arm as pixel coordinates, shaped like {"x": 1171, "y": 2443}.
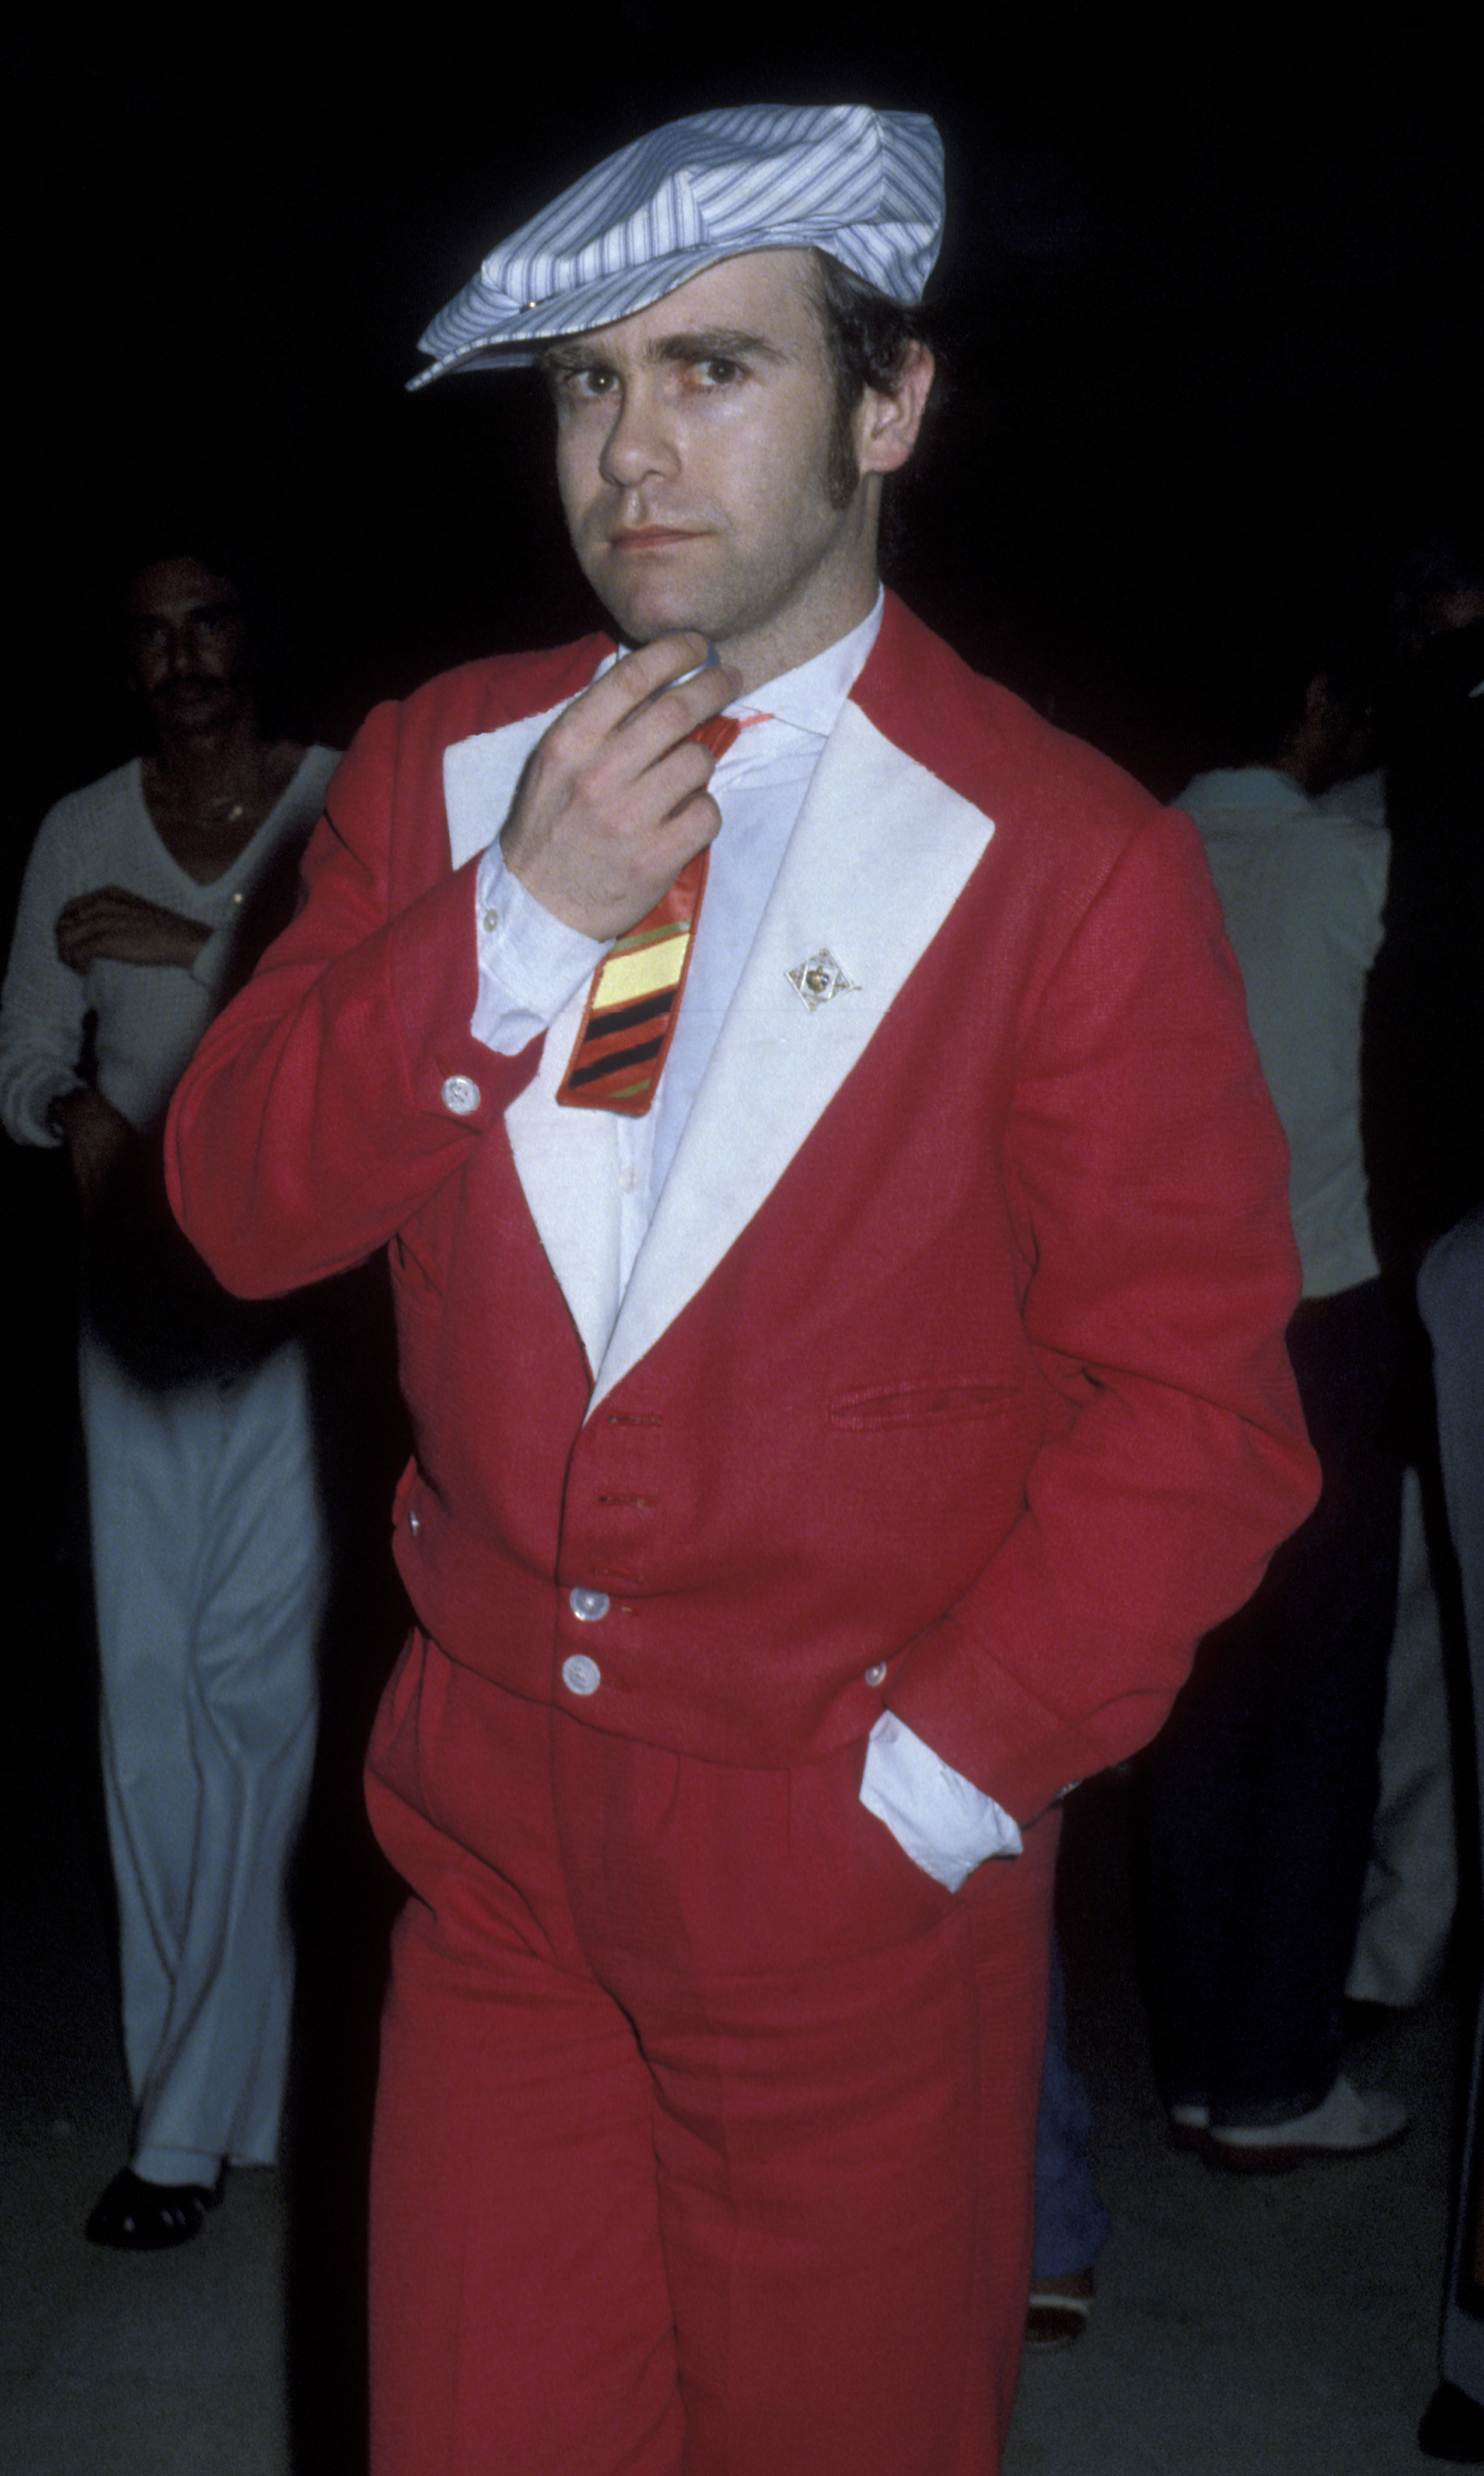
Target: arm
{"x": 347, "y": 1082}
{"x": 98, "y": 1139}
{"x": 45, "y": 1004}
{"x": 1147, "y": 1181}
{"x": 109, "y": 921}
{"x": 312, "y": 1118}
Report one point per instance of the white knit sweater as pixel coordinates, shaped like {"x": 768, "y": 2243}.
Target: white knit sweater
{"x": 148, "y": 1017}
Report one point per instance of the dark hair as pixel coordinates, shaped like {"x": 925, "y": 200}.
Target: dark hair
{"x": 164, "y": 535}
{"x": 1434, "y": 571}
{"x": 867, "y": 339}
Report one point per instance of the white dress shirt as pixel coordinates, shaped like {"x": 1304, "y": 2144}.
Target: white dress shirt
{"x": 531, "y": 964}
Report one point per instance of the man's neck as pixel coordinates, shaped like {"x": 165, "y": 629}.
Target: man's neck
{"x": 208, "y": 791}
{"x": 835, "y": 599}
{"x": 202, "y": 763}
{"x": 768, "y": 653}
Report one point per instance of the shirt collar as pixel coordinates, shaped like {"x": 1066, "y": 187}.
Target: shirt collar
{"x": 1261, "y": 794}
{"x": 811, "y": 695}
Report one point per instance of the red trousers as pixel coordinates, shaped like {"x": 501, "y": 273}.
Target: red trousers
{"x": 705, "y": 2126}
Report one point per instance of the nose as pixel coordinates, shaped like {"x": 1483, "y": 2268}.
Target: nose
{"x": 640, "y": 445}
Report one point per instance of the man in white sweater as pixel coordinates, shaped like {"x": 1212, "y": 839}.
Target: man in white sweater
{"x": 147, "y": 900}
{"x": 1252, "y": 1931}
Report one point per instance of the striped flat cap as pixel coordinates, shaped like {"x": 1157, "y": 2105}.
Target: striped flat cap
{"x": 866, "y": 186}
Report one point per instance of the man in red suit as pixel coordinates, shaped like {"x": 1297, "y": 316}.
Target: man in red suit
{"x": 842, "y": 1329}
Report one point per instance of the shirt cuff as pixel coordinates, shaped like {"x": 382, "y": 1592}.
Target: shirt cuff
{"x": 531, "y": 963}
{"x": 35, "y": 1114}
{"x": 214, "y": 961}
{"x": 945, "y": 1825}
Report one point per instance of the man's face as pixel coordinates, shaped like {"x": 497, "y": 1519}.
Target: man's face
{"x": 693, "y": 458}
{"x": 187, "y": 649}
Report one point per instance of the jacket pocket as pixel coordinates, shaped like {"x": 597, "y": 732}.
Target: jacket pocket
{"x": 924, "y": 1402}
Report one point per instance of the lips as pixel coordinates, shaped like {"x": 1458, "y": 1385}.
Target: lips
{"x": 650, "y": 537}
{"x": 186, "y": 691}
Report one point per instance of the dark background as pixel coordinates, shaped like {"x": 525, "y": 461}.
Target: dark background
{"x": 1210, "y": 299}
{"x": 1210, "y": 295}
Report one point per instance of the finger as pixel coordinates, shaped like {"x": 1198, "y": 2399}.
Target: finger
{"x": 672, "y": 714}
{"x": 102, "y": 898}
{"x": 671, "y": 719}
{"x": 117, "y": 902}
{"x": 681, "y": 774}
{"x": 92, "y": 911}
{"x": 695, "y": 822}
{"x": 621, "y": 691}
{"x": 638, "y": 677}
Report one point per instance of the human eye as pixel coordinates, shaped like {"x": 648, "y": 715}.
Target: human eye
{"x": 582, "y": 382}
{"x": 716, "y": 370}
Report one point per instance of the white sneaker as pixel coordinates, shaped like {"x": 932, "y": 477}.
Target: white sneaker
{"x": 1345, "y": 2124}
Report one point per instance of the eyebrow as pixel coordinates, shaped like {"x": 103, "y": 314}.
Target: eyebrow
{"x": 192, "y": 611}
{"x": 691, "y": 344}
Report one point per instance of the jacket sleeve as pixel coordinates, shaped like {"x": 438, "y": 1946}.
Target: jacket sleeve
{"x": 44, "y": 1005}
{"x": 344, "y": 1084}
{"x": 1149, "y": 1176}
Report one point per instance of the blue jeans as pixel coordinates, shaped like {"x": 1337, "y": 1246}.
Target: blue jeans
{"x": 1072, "y": 2223}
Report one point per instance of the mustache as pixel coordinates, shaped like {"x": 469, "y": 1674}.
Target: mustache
{"x": 184, "y": 683}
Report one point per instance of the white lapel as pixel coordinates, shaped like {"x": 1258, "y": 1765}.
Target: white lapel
{"x": 566, "y": 1159}
{"x": 880, "y": 855}
{"x": 481, "y": 777}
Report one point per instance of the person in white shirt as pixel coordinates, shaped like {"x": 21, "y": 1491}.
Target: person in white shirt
{"x": 1262, "y": 1785}
{"x": 147, "y": 897}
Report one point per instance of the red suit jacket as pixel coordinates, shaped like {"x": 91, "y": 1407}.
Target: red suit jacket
{"x": 950, "y": 1373}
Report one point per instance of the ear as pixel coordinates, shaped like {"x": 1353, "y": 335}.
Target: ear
{"x": 886, "y": 425}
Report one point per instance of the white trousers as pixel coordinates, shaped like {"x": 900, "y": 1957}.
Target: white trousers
{"x": 209, "y": 1568}
{"x": 1406, "y": 1911}
{"x": 1450, "y": 1293}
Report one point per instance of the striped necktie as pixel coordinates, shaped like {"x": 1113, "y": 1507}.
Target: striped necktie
{"x": 636, "y": 994}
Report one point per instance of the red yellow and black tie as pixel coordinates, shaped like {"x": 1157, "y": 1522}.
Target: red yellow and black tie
{"x": 636, "y": 995}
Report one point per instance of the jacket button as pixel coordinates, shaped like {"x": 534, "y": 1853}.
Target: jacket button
{"x": 876, "y": 1674}
{"x": 461, "y": 1095}
{"x": 588, "y": 1606}
{"x": 579, "y": 1674}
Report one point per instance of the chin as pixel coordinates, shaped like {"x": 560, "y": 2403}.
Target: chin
{"x": 644, "y": 606}
{"x": 642, "y": 622}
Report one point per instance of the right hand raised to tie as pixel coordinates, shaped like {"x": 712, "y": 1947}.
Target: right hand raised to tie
{"x": 613, "y": 799}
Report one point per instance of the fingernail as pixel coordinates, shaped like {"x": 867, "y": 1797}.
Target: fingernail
{"x": 712, "y": 661}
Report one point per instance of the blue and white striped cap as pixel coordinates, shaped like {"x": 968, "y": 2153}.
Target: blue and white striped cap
{"x": 866, "y": 186}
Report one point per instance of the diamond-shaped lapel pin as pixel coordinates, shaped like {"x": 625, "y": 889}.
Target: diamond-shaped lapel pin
{"x": 820, "y": 979}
